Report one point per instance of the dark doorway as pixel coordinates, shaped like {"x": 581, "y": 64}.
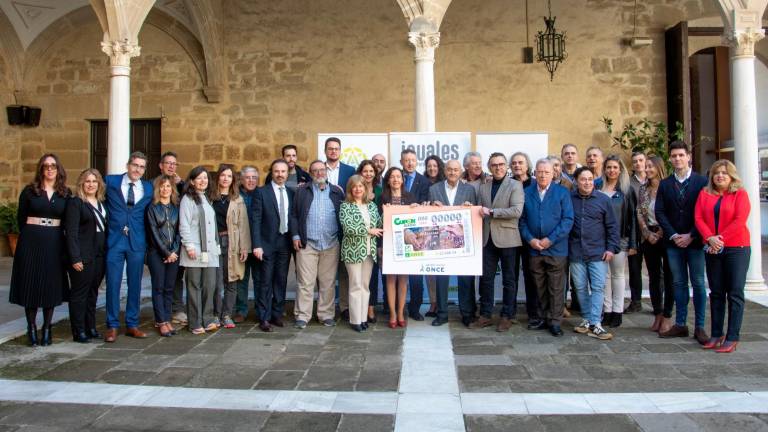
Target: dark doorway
{"x": 711, "y": 107}
{"x": 145, "y": 137}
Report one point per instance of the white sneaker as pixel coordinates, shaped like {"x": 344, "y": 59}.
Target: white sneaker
{"x": 598, "y": 332}
{"x": 582, "y": 328}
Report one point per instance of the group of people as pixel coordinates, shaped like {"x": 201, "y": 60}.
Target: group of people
{"x": 209, "y": 235}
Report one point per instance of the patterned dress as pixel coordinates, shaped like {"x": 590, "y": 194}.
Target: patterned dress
{"x": 356, "y": 244}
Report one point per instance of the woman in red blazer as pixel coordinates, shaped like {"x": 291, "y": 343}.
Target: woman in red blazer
{"x": 721, "y": 217}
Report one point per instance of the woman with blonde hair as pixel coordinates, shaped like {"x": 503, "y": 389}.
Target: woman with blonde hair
{"x": 234, "y": 238}
{"x": 652, "y": 243}
{"x": 85, "y": 223}
{"x": 722, "y": 209}
{"x": 163, "y": 248}
{"x": 361, "y": 224}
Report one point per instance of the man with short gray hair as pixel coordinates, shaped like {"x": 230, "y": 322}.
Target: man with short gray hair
{"x": 473, "y": 170}
{"x": 249, "y": 181}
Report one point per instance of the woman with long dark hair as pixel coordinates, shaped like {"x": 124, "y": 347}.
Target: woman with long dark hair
{"x": 370, "y": 175}
{"x": 38, "y": 279}
{"x": 86, "y": 223}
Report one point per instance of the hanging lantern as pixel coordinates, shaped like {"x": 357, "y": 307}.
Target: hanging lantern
{"x": 550, "y": 44}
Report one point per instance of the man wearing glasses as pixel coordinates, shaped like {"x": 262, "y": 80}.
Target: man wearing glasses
{"x": 127, "y": 197}
{"x": 168, "y": 164}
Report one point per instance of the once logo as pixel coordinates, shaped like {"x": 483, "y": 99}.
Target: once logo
{"x": 398, "y": 221}
{"x": 432, "y": 268}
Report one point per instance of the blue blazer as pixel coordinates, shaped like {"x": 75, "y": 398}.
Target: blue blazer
{"x": 345, "y": 172}
{"x": 419, "y": 188}
{"x": 121, "y": 216}
{"x": 676, "y": 216}
{"x": 551, "y": 218}
{"x": 266, "y": 219}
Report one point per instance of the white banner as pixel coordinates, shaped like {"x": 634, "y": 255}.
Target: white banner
{"x": 447, "y": 145}
{"x": 535, "y": 144}
{"x": 355, "y": 146}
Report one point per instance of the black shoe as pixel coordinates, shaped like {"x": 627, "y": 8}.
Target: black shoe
{"x": 439, "y": 321}
{"x": 634, "y": 306}
{"x": 466, "y": 321}
{"x": 537, "y": 325}
{"x": 32, "y": 336}
{"x": 80, "y": 337}
{"x": 607, "y": 319}
{"x": 345, "y": 315}
{"x": 417, "y": 316}
{"x": 431, "y": 314}
{"x": 364, "y": 325}
{"x": 372, "y": 320}
{"x": 45, "y": 337}
{"x": 616, "y": 321}
{"x": 93, "y": 333}
{"x": 356, "y": 327}
{"x": 556, "y": 331}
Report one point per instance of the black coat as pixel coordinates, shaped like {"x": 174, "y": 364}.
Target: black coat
{"x": 163, "y": 229}
{"x": 266, "y": 220}
{"x": 302, "y": 201}
{"x": 301, "y": 176}
{"x": 676, "y": 213}
{"x": 83, "y": 245}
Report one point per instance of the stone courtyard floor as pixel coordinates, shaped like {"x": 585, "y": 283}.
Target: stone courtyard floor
{"x": 421, "y": 378}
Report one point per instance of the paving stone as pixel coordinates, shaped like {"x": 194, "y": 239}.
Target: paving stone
{"x": 608, "y": 372}
{"x": 385, "y": 348}
{"x": 241, "y": 352}
{"x": 708, "y": 371}
{"x": 752, "y": 369}
{"x": 663, "y": 348}
{"x": 280, "y": 379}
{"x": 240, "y": 377}
{"x": 484, "y": 386}
{"x": 729, "y": 422}
{"x": 146, "y": 362}
{"x": 212, "y": 347}
{"x": 172, "y": 346}
{"x": 315, "y": 422}
{"x": 367, "y": 423}
{"x": 483, "y": 360}
{"x": 558, "y": 372}
{"x": 178, "y": 419}
{"x": 594, "y": 422}
{"x": 79, "y": 370}
{"x": 24, "y": 371}
{"x": 378, "y": 380}
{"x": 478, "y": 350}
{"x": 293, "y": 362}
{"x": 330, "y": 378}
{"x": 110, "y": 354}
{"x": 192, "y": 360}
{"x": 586, "y": 348}
{"x": 341, "y": 358}
{"x": 498, "y": 423}
{"x": 66, "y": 416}
{"x": 122, "y": 376}
{"x": 492, "y": 372}
{"x": 382, "y": 361}
{"x": 173, "y": 377}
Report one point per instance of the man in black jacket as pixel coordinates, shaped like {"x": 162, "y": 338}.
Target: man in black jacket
{"x": 418, "y": 186}
{"x": 675, "y": 203}
{"x": 296, "y": 175}
{"x": 316, "y": 234}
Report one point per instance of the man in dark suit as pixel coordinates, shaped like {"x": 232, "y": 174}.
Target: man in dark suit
{"x": 272, "y": 244}
{"x": 502, "y": 205}
{"x": 452, "y": 192}
{"x": 418, "y": 186}
{"x": 296, "y": 174}
{"x": 127, "y": 197}
{"x": 338, "y": 173}
{"x": 675, "y": 202}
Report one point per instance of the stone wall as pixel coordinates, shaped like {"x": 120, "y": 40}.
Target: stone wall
{"x": 296, "y": 68}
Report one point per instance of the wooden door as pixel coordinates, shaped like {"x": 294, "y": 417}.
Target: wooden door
{"x": 145, "y": 137}
{"x": 678, "y": 78}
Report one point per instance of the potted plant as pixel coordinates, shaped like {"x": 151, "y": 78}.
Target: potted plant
{"x": 647, "y": 136}
{"x": 9, "y": 224}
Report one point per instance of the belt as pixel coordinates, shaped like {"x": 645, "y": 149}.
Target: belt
{"x": 223, "y": 233}
{"x": 43, "y": 221}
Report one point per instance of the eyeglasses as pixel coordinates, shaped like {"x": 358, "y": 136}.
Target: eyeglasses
{"x": 50, "y": 167}
{"x": 137, "y": 166}
{"x": 173, "y": 164}
{"x": 251, "y": 177}
{"x": 317, "y": 170}
{"x": 498, "y": 165}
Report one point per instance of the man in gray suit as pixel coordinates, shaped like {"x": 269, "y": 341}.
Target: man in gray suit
{"x": 502, "y": 205}
{"x": 453, "y": 192}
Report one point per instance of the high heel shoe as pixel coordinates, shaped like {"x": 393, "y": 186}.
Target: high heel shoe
{"x": 45, "y": 337}
{"x": 402, "y": 323}
{"x": 32, "y": 336}
{"x": 163, "y": 330}
{"x": 727, "y": 347}
{"x": 392, "y": 324}
{"x": 713, "y": 343}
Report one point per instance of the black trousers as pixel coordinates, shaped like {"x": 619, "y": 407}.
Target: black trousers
{"x": 274, "y": 277}
{"x": 85, "y": 290}
{"x": 727, "y": 274}
{"x": 163, "y": 283}
{"x": 531, "y": 294}
{"x": 635, "y": 263}
{"x": 416, "y": 290}
{"x": 659, "y": 278}
{"x": 492, "y": 255}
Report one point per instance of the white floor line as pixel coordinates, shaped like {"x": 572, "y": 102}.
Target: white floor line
{"x": 425, "y": 411}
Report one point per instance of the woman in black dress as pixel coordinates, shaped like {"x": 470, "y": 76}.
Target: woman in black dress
{"x": 38, "y": 279}
{"x": 85, "y": 222}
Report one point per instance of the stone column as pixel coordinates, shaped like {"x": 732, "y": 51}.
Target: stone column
{"x": 425, "y": 44}
{"x": 744, "y": 112}
{"x": 119, "y": 145}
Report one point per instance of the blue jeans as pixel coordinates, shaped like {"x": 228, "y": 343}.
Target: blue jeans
{"x": 163, "y": 277}
{"x": 252, "y": 269}
{"x": 727, "y": 274}
{"x": 589, "y": 281}
{"x": 683, "y": 262}
{"x": 118, "y": 255}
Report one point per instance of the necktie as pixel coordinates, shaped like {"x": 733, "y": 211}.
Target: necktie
{"x": 131, "y": 199}
{"x": 408, "y": 182}
{"x": 283, "y": 214}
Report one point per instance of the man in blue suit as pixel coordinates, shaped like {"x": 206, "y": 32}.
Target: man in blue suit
{"x": 418, "y": 186}
{"x": 338, "y": 174}
{"x": 127, "y": 197}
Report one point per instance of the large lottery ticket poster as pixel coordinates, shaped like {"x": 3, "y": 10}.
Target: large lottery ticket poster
{"x": 432, "y": 240}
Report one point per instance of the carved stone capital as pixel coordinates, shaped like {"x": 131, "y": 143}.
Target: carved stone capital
{"x": 120, "y": 52}
{"x": 743, "y": 41}
{"x": 425, "y": 44}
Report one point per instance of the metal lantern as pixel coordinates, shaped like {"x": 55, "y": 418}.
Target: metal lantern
{"x": 550, "y": 45}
